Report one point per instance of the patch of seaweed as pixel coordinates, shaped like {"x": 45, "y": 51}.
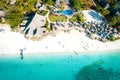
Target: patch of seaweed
{"x": 97, "y": 72}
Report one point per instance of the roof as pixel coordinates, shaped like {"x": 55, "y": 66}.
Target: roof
{"x": 2, "y": 13}
{"x": 38, "y": 21}
{"x": 38, "y": 5}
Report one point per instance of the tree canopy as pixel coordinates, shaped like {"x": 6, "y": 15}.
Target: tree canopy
{"x": 14, "y": 13}
{"x": 14, "y": 17}
{"x": 77, "y": 4}
{"x": 49, "y": 2}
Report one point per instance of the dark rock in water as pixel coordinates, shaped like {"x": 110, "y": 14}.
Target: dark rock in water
{"x": 111, "y": 69}
{"x": 96, "y": 72}
{"x": 71, "y": 70}
{"x": 100, "y": 68}
{"x": 41, "y": 64}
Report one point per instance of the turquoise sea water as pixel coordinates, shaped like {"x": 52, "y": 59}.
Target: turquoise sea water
{"x": 61, "y": 67}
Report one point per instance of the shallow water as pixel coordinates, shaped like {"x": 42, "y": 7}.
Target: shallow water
{"x": 55, "y": 67}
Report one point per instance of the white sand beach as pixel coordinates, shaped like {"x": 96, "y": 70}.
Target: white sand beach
{"x": 12, "y": 42}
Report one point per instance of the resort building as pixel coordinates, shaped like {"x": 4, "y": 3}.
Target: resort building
{"x": 35, "y": 28}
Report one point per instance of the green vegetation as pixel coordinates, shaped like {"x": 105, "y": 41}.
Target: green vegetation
{"x": 112, "y": 20}
{"x": 102, "y": 10}
{"x": 49, "y": 2}
{"x": 55, "y": 18}
{"x": 112, "y": 2}
{"x": 112, "y": 38}
{"x": 3, "y": 4}
{"x": 0, "y": 20}
{"x": 77, "y": 4}
{"x": 47, "y": 25}
{"x": 14, "y": 13}
{"x": 14, "y": 17}
{"x": 62, "y": 5}
{"x": 77, "y": 18}
{"x": 87, "y": 4}
{"x": 43, "y": 12}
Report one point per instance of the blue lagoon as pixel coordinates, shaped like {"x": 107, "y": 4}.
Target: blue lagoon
{"x": 59, "y": 67}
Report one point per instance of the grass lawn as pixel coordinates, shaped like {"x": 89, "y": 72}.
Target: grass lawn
{"x": 0, "y": 20}
{"x": 43, "y": 13}
{"x": 54, "y": 18}
{"x": 77, "y": 18}
{"x": 73, "y": 19}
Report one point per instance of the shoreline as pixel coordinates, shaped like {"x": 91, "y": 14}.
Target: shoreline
{"x": 60, "y": 53}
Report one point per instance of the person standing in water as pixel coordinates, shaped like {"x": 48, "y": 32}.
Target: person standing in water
{"x": 21, "y": 53}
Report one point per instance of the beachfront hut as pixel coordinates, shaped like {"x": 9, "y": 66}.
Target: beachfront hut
{"x": 40, "y": 6}
{"x": 59, "y": 1}
{"x": 37, "y": 22}
{"x": 2, "y": 13}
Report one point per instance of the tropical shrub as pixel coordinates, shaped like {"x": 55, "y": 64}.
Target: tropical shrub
{"x": 0, "y": 20}
{"x": 77, "y": 18}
